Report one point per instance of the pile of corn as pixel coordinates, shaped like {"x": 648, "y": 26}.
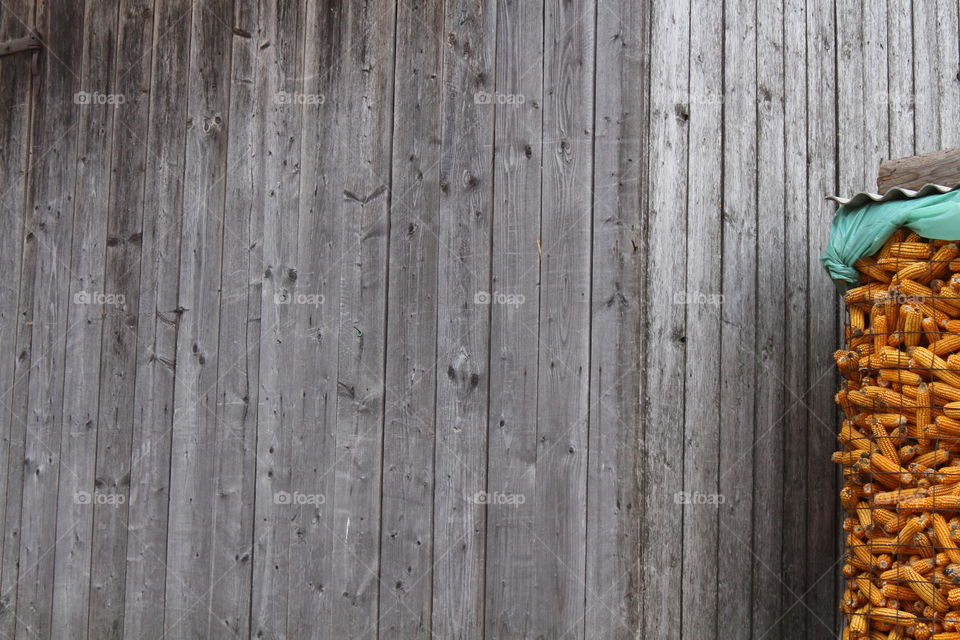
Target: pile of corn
{"x": 900, "y": 442}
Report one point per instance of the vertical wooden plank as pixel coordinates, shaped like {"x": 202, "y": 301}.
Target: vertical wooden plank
{"x": 925, "y": 62}
{"x": 563, "y": 382}
{"x": 900, "y": 89}
{"x": 863, "y": 107}
{"x": 794, "y": 426}
{"x": 664, "y": 334}
{"x": 119, "y": 352}
{"x": 947, "y": 85}
{"x": 700, "y": 301}
{"x": 406, "y": 536}
{"x": 738, "y": 311}
{"x": 17, "y": 251}
{"x": 89, "y": 302}
{"x": 876, "y": 94}
{"x": 52, "y": 184}
{"x": 773, "y": 393}
{"x": 820, "y": 597}
{"x": 852, "y": 109}
{"x": 157, "y": 322}
{"x": 510, "y": 571}
{"x": 260, "y": 244}
{"x": 293, "y": 594}
{"x": 362, "y": 127}
{"x": 614, "y": 496}
{"x": 937, "y": 89}
{"x": 197, "y": 437}
{"x": 466, "y": 183}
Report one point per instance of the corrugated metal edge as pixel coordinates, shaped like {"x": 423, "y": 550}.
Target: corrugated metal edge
{"x": 896, "y": 193}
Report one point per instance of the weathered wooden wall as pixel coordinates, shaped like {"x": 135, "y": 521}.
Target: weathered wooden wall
{"x": 429, "y": 318}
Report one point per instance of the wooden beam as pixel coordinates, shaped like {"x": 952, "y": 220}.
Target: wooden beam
{"x": 938, "y": 167}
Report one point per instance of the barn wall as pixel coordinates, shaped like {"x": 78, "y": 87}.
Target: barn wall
{"x": 474, "y": 319}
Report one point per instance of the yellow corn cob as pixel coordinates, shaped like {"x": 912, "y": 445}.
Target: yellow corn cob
{"x": 949, "y": 475}
{"x": 937, "y": 366}
{"x": 919, "y": 271}
{"x": 886, "y": 467}
{"x": 849, "y": 458}
{"x": 924, "y": 414}
{"x": 925, "y": 589}
{"x": 857, "y": 318}
{"x": 935, "y": 503}
{"x": 894, "y": 616}
{"x": 859, "y": 623}
{"x": 864, "y": 515}
{"x": 930, "y": 329}
{"x": 911, "y": 250}
{"x": 942, "y": 532}
{"x": 899, "y": 235}
{"x": 900, "y": 376}
{"x": 879, "y": 330}
{"x": 944, "y": 391}
{"x": 883, "y": 440}
{"x": 868, "y": 267}
{"x": 940, "y": 262}
{"x": 933, "y": 458}
{"x": 940, "y": 316}
{"x": 870, "y": 590}
{"x": 898, "y": 592}
{"x": 890, "y": 498}
{"x": 912, "y": 326}
{"x": 947, "y": 344}
{"x": 895, "y": 358}
{"x": 948, "y": 295}
{"x": 849, "y": 497}
{"x": 952, "y": 409}
{"x": 914, "y": 290}
{"x": 851, "y": 436}
{"x": 864, "y": 293}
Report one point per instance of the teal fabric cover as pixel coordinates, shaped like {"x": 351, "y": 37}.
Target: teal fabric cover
{"x": 861, "y": 231}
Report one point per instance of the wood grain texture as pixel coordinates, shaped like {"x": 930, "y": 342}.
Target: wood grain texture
{"x": 463, "y": 322}
{"x": 157, "y": 322}
{"x": 820, "y": 595}
{"x": 563, "y": 379}
{"x": 912, "y": 172}
{"x": 362, "y": 168}
{"x": 118, "y": 357}
{"x": 417, "y": 336}
{"x": 510, "y": 567}
{"x": 704, "y": 109}
{"x": 260, "y": 241}
{"x": 88, "y": 303}
{"x": 772, "y": 391}
{"x": 614, "y": 497}
{"x": 792, "y": 615}
{"x": 197, "y": 435}
{"x": 17, "y": 259}
{"x": 51, "y": 202}
{"x": 738, "y": 312}
{"x": 665, "y": 328}
{"x": 900, "y": 81}
{"x": 406, "y": 536}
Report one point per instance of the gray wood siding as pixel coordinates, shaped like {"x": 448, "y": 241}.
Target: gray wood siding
{"x": 435, "y": 318}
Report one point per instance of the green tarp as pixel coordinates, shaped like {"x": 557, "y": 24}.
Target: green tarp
{"x": 861, "y": 231}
